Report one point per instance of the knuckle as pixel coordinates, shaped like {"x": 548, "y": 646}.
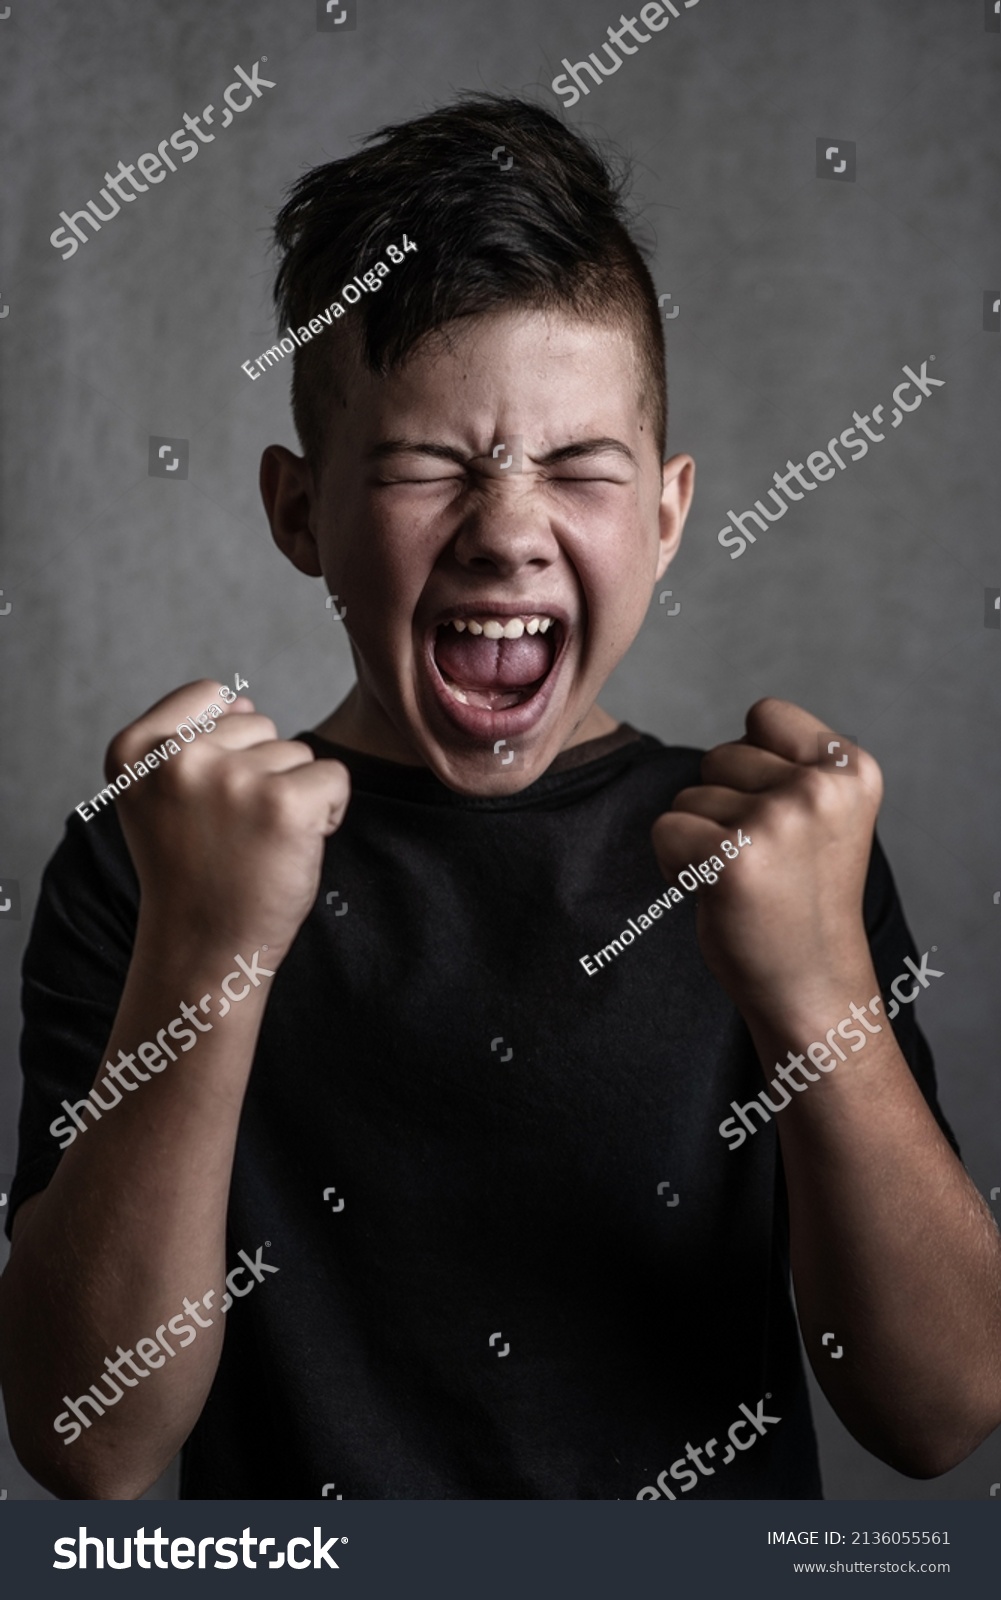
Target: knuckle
{"x": 816, "y": 785}
{"x": 821, "y": 796}
{"x": 764, "y": 707}
{"x": 193, "y": 694}
{"x": 250, "y": 728}
{"x": 684, "y": 798}
{"x": 233, "y": 780}
{"x": 870, "y": 771}
{"x": 277, "y": 804}
{"x": 200, "y": 686}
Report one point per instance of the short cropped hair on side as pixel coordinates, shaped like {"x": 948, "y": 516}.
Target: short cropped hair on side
{"x": 549, "y": 232}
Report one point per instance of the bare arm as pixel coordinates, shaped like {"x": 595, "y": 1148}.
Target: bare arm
{"x": 227, "y": 841}
{"x": 132, "y": 1223}
{"x": 893, "y": 1250}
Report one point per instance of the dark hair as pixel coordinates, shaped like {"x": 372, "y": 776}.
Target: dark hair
{"x": 548, "y": 232}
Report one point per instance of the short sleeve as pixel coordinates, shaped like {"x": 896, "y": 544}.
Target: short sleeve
{"x": 73, "y": 975}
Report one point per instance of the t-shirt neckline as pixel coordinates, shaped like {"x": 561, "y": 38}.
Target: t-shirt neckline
{"x": 376, "y": 774}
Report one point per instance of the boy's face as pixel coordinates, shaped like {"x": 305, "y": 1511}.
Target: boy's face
{"x": 505, "y": 478}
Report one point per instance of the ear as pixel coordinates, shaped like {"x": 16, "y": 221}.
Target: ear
{"x": 678, "y": 486}
{"x": 287, "y": 491}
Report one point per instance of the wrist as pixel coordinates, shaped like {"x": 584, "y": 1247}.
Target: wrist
{"x": 807, "y": 1010}
{"x": 168, "y": 956}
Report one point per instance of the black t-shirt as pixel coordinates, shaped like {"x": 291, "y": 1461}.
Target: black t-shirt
{"x": 509, "y": 1303}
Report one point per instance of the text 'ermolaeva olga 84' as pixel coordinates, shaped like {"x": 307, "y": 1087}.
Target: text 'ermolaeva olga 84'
{"x": 691, "y": 878}
{"x": 351, "y": 292}
{"x": 203, "y": 722}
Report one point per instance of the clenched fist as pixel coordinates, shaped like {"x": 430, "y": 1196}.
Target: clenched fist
{"x": 227, "y": 835}
{"x": 784, "y": 922}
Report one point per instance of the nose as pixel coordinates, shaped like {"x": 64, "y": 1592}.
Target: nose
{"x": 506, "y": 530}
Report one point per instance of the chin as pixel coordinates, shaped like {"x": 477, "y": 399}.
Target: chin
{"x": 482, "y": 770}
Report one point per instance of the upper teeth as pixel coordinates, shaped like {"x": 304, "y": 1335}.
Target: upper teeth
{"x": 493, "y": 628}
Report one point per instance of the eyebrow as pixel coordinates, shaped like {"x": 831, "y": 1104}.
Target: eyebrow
{"x": 444, "y": 452}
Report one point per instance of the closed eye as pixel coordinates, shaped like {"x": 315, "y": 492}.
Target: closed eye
{"x": 434, "y": 474}
{"x": 596, "y": 475}
{"x": 414, "y": 461}
{"x": 597, "y": 460}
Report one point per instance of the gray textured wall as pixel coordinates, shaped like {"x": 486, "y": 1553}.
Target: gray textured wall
{"x": 799, "y": 300}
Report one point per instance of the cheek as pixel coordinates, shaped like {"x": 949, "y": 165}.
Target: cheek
{"x": 616, "y": 567}
{"x": 382, "y": 576}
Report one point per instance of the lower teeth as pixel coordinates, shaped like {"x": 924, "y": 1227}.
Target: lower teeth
{"x": 486, "y": 702}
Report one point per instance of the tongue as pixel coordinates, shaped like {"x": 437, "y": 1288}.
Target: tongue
{"x": 473, "y": 661}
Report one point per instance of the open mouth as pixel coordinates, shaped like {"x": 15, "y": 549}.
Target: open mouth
{"x": 495, "y": 662}
{"x": 495, "y": 672}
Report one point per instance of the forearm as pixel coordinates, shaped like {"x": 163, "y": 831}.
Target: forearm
{"x": 893, "y": 1250}
{"x": 131, "y": 1225}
